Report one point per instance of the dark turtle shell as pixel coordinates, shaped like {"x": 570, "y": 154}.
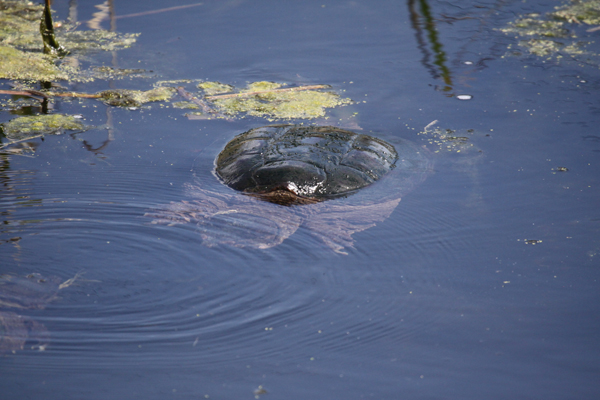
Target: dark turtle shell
{"x": 293, "y": 164}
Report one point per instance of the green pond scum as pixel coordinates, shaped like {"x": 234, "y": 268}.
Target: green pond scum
{"x": 271, "y": 101}
{"x": 211, "y": 88}
{"x": 44, "y": 58}
{"x": 579, "y": 12}
{"x": 25, "y": 66}
{"x": 23, "y": 128}
{"x": 22, "y": 38}
{"x": 553, "y": 35}
{"x": 135, "y": 98}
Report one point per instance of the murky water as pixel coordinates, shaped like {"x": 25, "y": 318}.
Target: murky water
{"x": 482, "y": 283}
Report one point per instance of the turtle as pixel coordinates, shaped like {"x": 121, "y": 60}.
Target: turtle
{"x": 270, "y": 180}
{"x": 290, "y": 165}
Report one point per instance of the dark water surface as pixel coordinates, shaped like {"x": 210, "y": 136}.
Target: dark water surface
{"x": 448, "y": 298}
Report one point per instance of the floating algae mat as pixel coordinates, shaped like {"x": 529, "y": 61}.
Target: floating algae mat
{"x": 553, "y": 34}
{"x": 22, "y": 60}
{"x": 20, "y": 65}
{"x": 23, "y": 128}
{"x": 271, "y": 100}
{"x": 20, "y": 46}
{"x": 135, "y": 98}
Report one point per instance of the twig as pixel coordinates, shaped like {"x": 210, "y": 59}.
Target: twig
{"x": 141, "y": 14}
{"x": 188, "y": 96}
{"x": 76, "y": 94}
{"x": 45, "y": 95}
{"x": 245, "y": 94}
{"x": 25, "y": 93}
{"x": 2, "y": 146}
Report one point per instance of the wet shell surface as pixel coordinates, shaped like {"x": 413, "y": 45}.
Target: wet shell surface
{"x": 292, "y": 164}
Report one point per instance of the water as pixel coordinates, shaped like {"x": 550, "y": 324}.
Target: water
{"x": 448, "y": 298}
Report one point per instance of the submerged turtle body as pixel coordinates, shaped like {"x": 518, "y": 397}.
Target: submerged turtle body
{"x": 291, "y": 164}
{"x": 338, "y": 181}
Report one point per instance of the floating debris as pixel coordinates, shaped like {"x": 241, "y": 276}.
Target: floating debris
{"x": 272, "y": 101}
{"x": 135, "y": 98}
{"x": 211, "y": 88}
{"x": 552, "y": 35}
{"x": 186, "y": 105}
{"x": 532, "y": 241}
{"x": 464, "y": 97}
{"x": 579, "y": 12}
{"x": 258, "y": 391}
{"x": 20, "y": 65}
{"x": 30, "y": 127}
{"x": 21, "y": 44}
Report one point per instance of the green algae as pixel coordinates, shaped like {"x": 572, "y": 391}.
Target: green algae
{"x": 21, "y": 59}
{"x": 98, "y": 40}
{"x": 552, "y": 35}
{"x": 186, "y": 105}
{"x": 135, "y": 98}
{"x": 531, "y": 26}
{"x": 579, "y": 12}
{"x": 212, "y": 88}
{"x": 19, "y": 65}
{"x": 19, "y": 23}
{"x": 21, "y": 44}
{"x": 106, "y": 73}
{"x": 23, "y": 128}
{"x": 262, "y": 86}
{"x": 541, "y": 47}
{"x": 263, "y": 99}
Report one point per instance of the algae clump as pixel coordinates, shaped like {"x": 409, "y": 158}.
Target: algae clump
{"x": 135, "y": 98}
{"x": 531, "y": 26}
{"x": 586, "y": 12}
{"x": 23, "y": 128}
{"x": 19, "y": 65}
{"x": 21, "y": 44}
{"x": 211, "y": 88}
{"x": 543, "y": 30}
{"x": 269, "y": 100}
{"x": 186, "y": 105}
{"x": 20, "y": 23}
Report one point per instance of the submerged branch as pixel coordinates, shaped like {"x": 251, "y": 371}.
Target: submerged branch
{"x": 246, "y": 94}
{"x": 189, "y": 97}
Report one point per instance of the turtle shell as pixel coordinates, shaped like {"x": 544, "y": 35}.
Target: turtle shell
{"x": 293, "y": 164}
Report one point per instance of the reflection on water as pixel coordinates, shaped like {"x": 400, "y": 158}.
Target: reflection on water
{"x": 434, "y": 57}
{"x": 15, "y": 193}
